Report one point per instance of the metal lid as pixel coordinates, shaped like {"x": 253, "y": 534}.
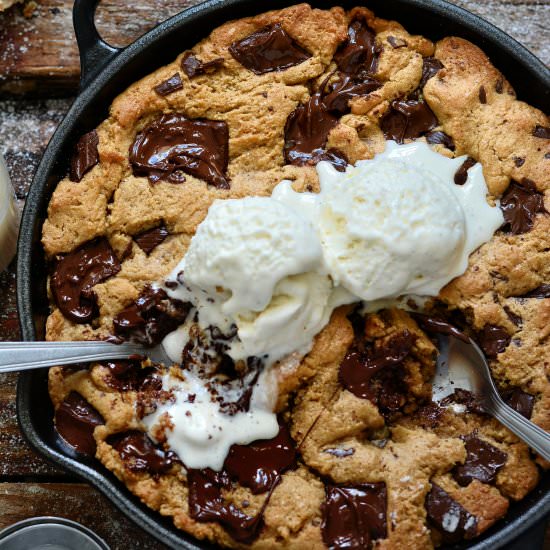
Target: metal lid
{"x": 49, "y": 533}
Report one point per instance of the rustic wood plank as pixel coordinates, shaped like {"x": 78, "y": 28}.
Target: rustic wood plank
{"x": 17, "y": 459}
{"x": 42, "y": 48}
{"x": 77, "y": 502}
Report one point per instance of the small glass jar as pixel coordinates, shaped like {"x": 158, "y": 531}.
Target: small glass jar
{"x": 9, "y": 218}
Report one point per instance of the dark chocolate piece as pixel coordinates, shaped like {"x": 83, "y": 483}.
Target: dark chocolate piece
{"x": 346, "y": 88}
{"x": 359, "y": 367}
{"x": 435, "y": 324}
{"x": 482, "y": 95}
{"x": 75, "y": 421}
{"x": 206, "y": 503}
{"x": 269, "y": 49}
{"x": 259, "y": 464}
{"x": 499, "y": 86}
{"x": 173, "y": 145}
{"x": 407, "y": 119}
{"x": 442, "y": 138}
{"x": 520, "y": 401}
{"x": 354, "y": 516}
{"x": 150, "y": 239}
{"x": 429, "y": 415}
{"x": 170, "y": 85}
{"x": 151, "y": 317}
{"x": 358, "y": 55}
{"x": 520, "y": 204}
{"x": 76, "y": 274}
{"x": 493, "y": 340}
{"x": 430, "y": 67}
{"x": 192, "y": 66}
{"x": 460, "y": 396}
{"x": 542, "y": 291}
{"x": 140, "y": 454}
{"x": 519, "y": 161}
{"x": 306, "y": 132}
{"x": 85, "y": 155}
{"x": 129, "y": 375}
{"x": 516, "y": 319}
{"x": 445, "y": 513}
{"x": 483, "y": 462}
{"x": 541, "y": 132}
{"x": 461, "y": 175}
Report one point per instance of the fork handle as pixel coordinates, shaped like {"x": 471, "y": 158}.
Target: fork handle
{"x": 20, "y": 356}
{"x": 528, "y": 431}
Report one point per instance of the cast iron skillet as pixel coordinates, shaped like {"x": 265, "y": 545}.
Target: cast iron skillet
{"x": 107, "y": 71}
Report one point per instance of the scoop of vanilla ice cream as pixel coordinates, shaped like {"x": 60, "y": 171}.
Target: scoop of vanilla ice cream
{"x": 244, "y": 248}
{"x": 388, "y": 227}
{"x": 254, "y": 263}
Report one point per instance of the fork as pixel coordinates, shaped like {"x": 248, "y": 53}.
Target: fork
{"x": 21, "y": 356}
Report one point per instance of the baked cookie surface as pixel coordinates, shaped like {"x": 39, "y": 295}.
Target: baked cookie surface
{"x": 363, "y": 460}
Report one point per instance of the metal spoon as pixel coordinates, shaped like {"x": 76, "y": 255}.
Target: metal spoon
{"x": 20, "y": 356}
{"x": 462, "y": 364}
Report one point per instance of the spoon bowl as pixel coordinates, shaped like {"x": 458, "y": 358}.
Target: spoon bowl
{"x": 462, "y": 365}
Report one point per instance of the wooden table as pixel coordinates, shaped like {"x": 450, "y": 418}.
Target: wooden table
{"x": 38, "y": 79}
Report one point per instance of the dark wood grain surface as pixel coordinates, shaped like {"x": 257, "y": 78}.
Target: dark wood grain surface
{"x": 38, "y": 58}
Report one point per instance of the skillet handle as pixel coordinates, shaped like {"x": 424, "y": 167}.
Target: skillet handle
{"x": 95, "y": 53}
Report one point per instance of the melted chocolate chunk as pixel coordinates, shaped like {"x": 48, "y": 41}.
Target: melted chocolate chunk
{"x": 438, "y": 137}
{"x": 151, "y": 317}
{"x": 269, "y": 49}
{"x": 542, "y": 291}
{"x": 358, "y": 54}
{"x": 499, "y": 86}
{"x": 306, "y": 132}
{"x": 173, "y": 145}
{"x": 482, "y": 95}
{"x": 516, "y": 319}
{"x": 461, "y": 175}
{"x": 354, "y": 516}
{"x": 85, "y": 155}
{"x": 140, "y": 454}
{"x": 339, "y": 453}
{"x": 260, "y": 464}
{"x": 493, "y": 340}
{"x": 150, "y": 239}
{"x": 407, "y": 119}
{"x": 483, "y": 461}
{"x": 519, "y": 161}
{"x": 460, "y": 396}
{"x": 430, "y": 67}
{"x": 206, "y": 503}
{"x": 76, "y": 274}
{"x": 359, "y": 367}
{"x": 75, "y": 421}
{"x": 454, "y": 522}
{"x": 541, "y": 132}
{"x": 129, "y": 376}
{"x": 429, "y": 415}
{"x": 438, "y": 325}
{"x": 192, "y": 66}
{"x": 519, "y": 401}
{"x": 170, "y": 85}
{"x": 520, "y": 204}
{"x": 341, "y": 92}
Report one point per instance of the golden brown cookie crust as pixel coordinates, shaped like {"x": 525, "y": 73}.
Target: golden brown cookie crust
{"x": 477, "y": 107}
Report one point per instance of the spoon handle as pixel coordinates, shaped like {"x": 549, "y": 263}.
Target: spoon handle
{"x": 20, "y": 356}
{"x": 528, "y": 431}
